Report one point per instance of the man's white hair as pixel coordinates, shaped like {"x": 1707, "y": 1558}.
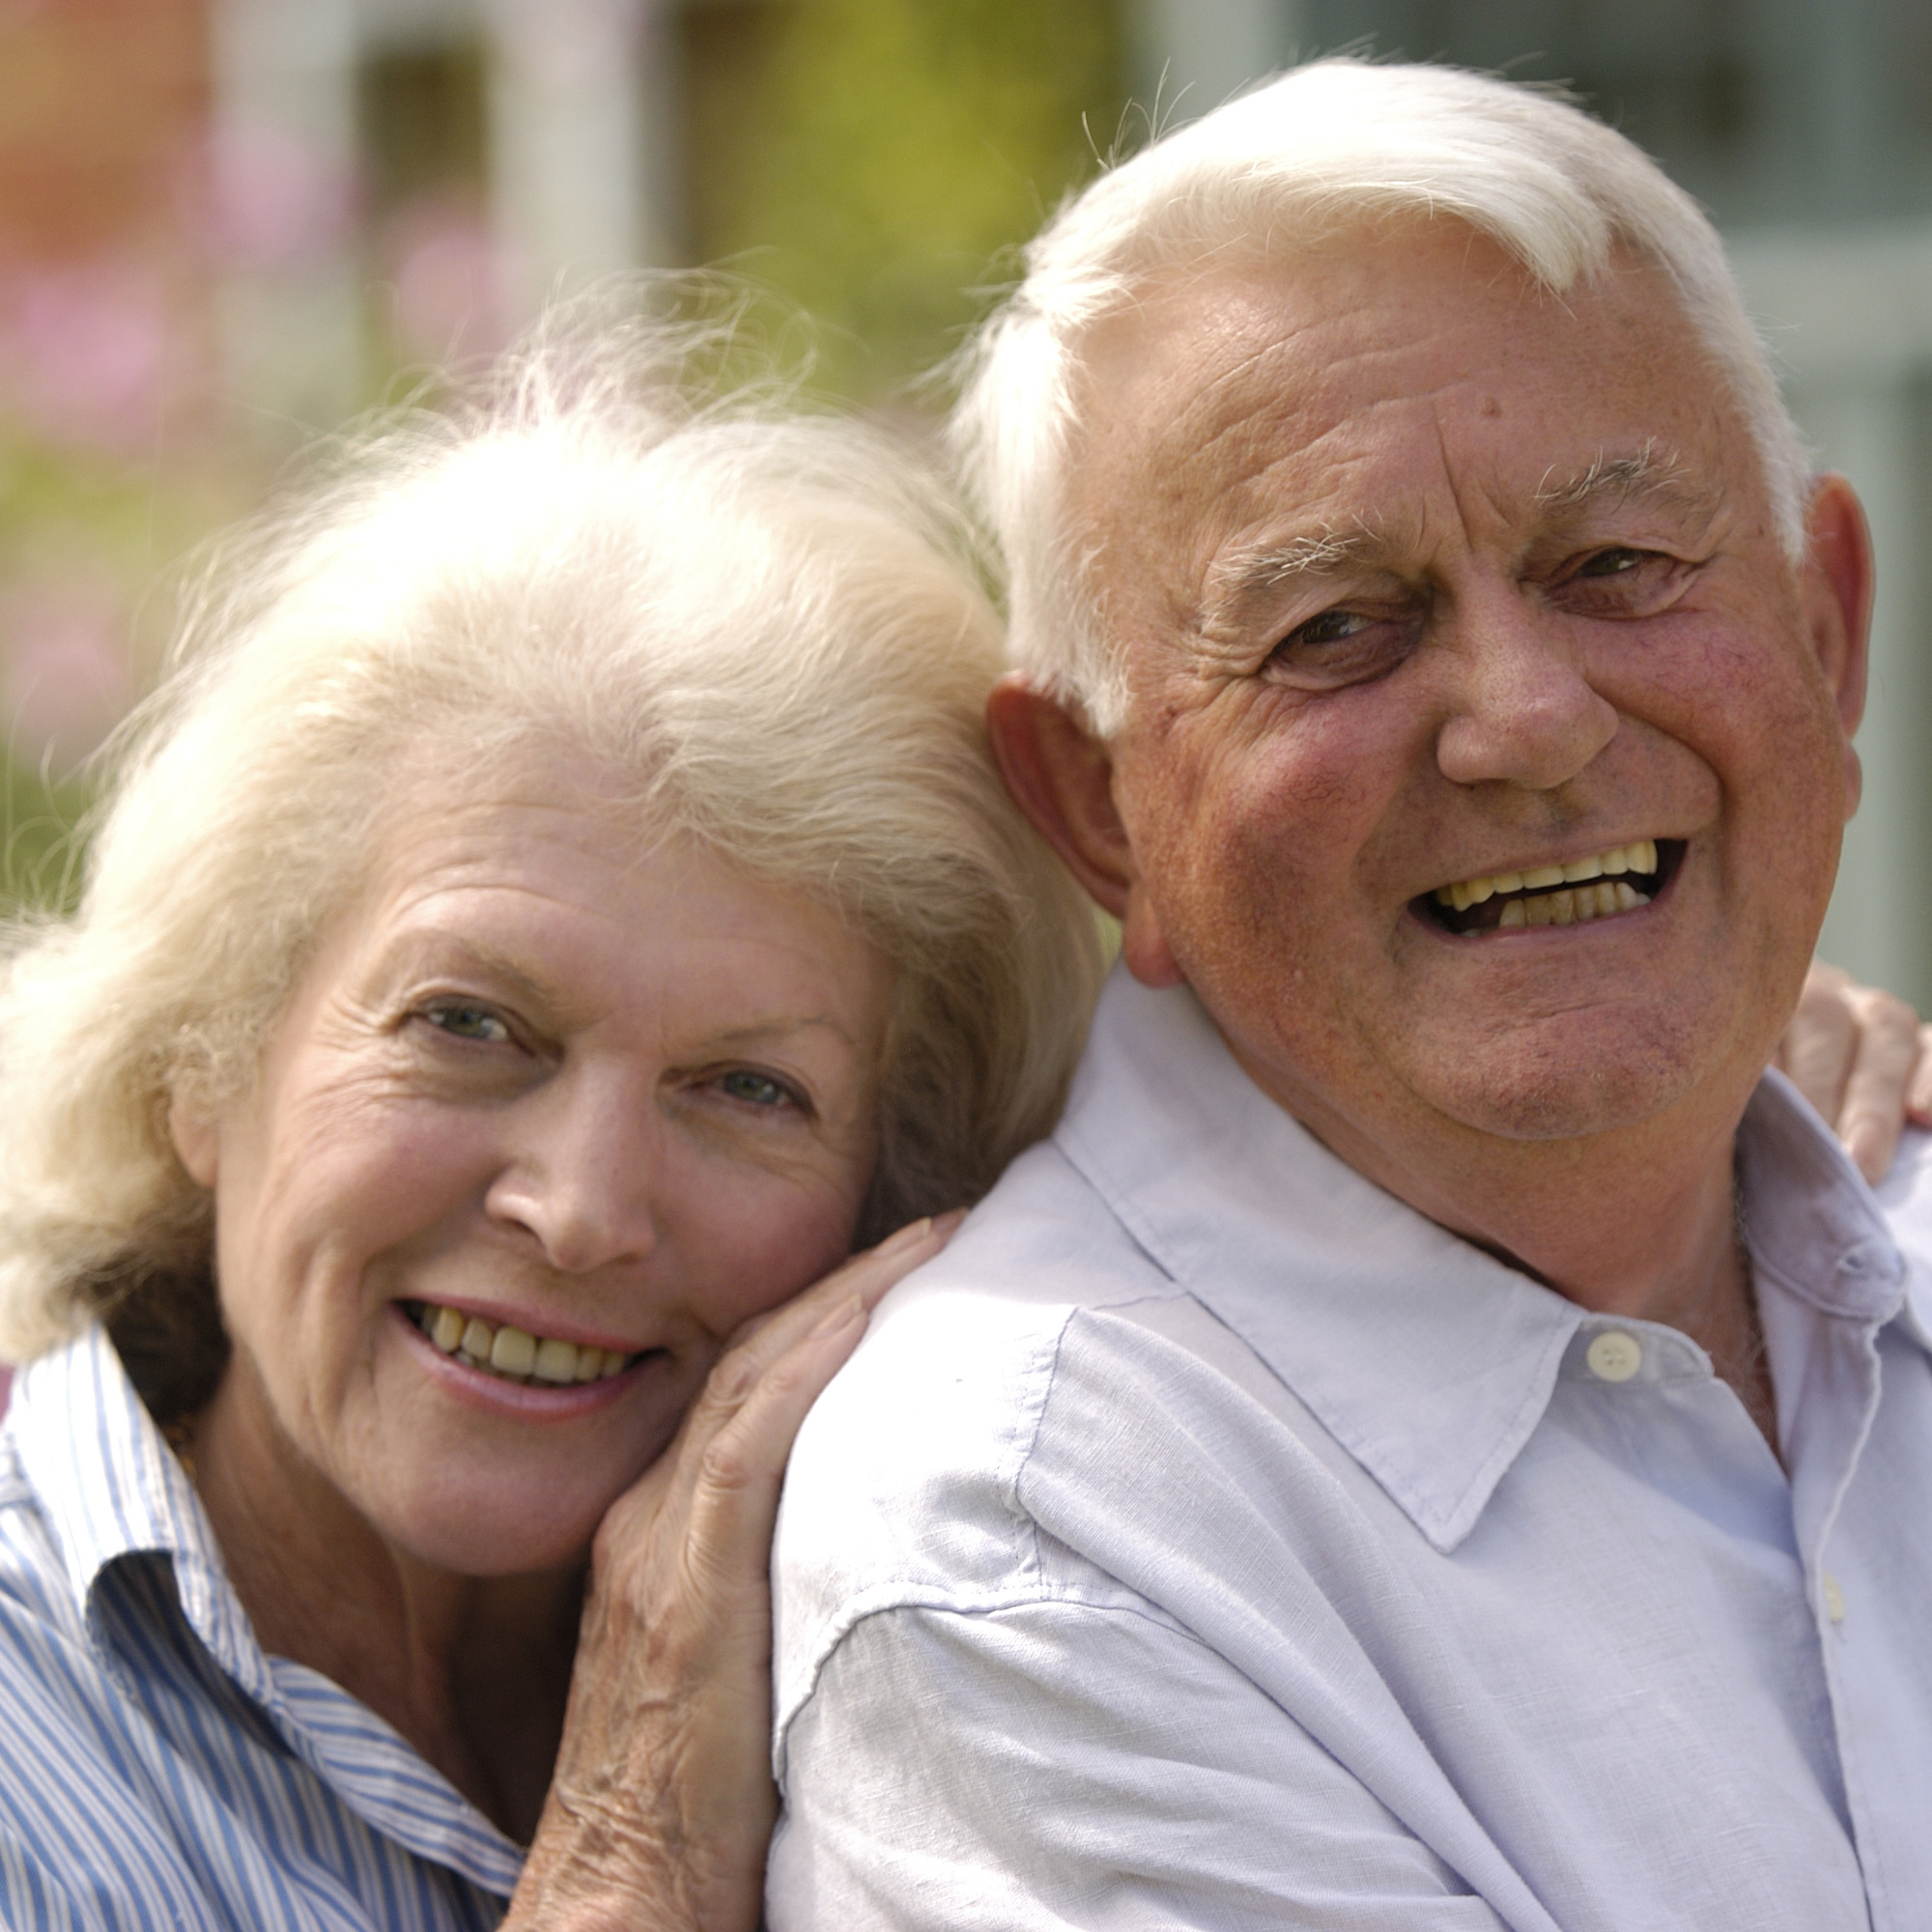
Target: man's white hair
{"x": 1338, "y": 145}
{"x": 768, "y": 631}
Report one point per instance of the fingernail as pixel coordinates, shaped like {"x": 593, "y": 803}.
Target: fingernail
{"x": 910, "y": 1235}
{"x": 946, "y": 1225}
{"x": 849, "y": 1311}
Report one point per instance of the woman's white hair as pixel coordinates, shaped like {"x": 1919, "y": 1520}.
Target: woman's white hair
{"x": 769, "y": 628}
{"x": 1325, "y": 149}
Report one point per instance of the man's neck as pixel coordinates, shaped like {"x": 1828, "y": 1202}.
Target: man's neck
{"x": 1643, "y": 1224}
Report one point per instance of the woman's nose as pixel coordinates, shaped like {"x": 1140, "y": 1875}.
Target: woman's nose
{"x": 1523, "y": 712}
{"x": 582, "y": 1177}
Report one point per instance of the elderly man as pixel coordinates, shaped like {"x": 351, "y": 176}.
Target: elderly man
{"x": 1436, "y": 1439}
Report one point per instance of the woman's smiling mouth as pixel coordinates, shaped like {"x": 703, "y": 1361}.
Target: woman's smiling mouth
{"x": 1598, "y": 886}
{"x": 514, "y": 1353}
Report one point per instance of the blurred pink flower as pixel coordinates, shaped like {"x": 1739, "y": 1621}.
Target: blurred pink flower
{"x": 90, "y": 350}
{"x": 260, "y": 197}
{"x": 451, "y": 280}
{"x": 63, "y": 668}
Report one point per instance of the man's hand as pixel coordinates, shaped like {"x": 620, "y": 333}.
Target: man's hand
{"x": 662, "y": 1800}
{"x": 1861, "y": 1057}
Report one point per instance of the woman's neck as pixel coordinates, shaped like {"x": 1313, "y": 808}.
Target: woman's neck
{"x": 474, "y": 1672}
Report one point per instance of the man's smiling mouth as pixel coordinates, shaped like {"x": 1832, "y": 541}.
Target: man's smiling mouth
{"x": 1597, "y": 887}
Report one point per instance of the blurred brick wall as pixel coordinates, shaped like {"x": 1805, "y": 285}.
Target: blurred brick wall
{"x": 101, "y": 107}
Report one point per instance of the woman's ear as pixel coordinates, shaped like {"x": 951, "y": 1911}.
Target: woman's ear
{"x": 196, "y": 1135}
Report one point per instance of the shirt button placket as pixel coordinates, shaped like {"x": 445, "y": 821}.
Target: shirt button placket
{"x": 1833, "y": 1597}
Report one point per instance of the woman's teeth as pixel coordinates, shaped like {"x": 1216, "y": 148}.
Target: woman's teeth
{"x": 511, "y": 1353}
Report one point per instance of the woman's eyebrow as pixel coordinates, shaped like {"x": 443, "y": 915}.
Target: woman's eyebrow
{"x": 433, "y": 951}
{"x": 760, "y": 1031}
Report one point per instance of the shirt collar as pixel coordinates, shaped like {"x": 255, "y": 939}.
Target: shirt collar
{"x": 110, "y": 1488}
{"x": 113, "y": 1489}
{"x": 1428, "y": 1360}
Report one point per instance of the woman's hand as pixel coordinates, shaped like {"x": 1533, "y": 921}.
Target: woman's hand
{"x": 662, "y": 1800}
{"x": 1861, "y": 1057}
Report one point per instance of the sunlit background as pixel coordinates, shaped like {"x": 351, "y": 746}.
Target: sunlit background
{"x": 229, "y": 225}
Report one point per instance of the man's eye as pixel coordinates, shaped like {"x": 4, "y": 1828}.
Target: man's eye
{"x": 1330, "y": 628}
{"x": 1622, "y": 581}
{"x": 1344, "y": 646}
{"x": 1613, "y": 562}
{"x": 464, "y": 1020}
{"x": 756, "y": 1090}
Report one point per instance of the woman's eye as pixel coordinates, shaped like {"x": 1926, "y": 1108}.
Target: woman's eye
{"x": 464, "y": 1020}
{"x": 756, "y": 1090}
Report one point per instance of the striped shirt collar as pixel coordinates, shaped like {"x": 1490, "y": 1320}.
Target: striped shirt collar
{"x": 110, "y": 1488}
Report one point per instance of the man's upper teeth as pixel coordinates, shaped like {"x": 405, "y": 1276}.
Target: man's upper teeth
{"x": 514, "y": 1352}
{"x": 1640, "y": 857}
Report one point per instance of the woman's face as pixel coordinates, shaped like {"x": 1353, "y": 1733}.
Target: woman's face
{"x": 546, "y": 1096}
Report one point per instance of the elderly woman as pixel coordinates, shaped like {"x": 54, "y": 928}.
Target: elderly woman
{"x": 556, "y": 906}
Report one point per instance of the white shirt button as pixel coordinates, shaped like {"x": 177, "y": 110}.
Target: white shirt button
{"x": 1835, "y": 1597}
{"x": 1614, "y": 1356}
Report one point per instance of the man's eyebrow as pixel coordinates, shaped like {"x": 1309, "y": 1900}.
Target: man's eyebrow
{"x": 1647, "y": 476}
{"x": 1258, "y": 568}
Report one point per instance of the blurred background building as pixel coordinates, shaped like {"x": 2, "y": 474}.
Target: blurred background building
{"x": 227, "y": 225}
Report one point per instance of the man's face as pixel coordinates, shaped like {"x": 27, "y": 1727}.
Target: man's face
{"x": 1423, "y": 579}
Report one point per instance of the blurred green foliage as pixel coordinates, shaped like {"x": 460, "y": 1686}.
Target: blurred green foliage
{"x": 43, "y": 843}
{"x": 117, "y": 527}
{"x": 875, "y": 162}
{"x": 874, "y": 159}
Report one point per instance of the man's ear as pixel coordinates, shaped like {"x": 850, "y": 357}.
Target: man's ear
{"x": 1837, "y": 592}
{"x": 196, "y": 1136}
{"x": 1062, "y": 776}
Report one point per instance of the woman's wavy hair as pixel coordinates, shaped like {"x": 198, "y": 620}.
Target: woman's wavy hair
{"x": 769, "y": 627}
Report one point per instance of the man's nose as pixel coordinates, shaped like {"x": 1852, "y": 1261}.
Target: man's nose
{"x": 1523, "y": 711}
{"x": 581, "y": 1174}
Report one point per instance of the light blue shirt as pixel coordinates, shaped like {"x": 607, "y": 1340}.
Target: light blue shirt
{"x": 157, "y": 1769}
{"x": 1209, "y": 1540}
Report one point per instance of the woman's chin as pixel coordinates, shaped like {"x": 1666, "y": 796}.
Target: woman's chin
{"x": 496, "y": 1522}
{"x": 488, "y": 1477}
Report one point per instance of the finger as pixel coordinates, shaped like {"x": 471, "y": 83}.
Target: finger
{"x": 765, "y": 1341}
{"x": 724, "y": 1487}
{"x": 867, "y": 1276}
{"x": 1871, "y": 1114}
{"x": 1820, "y": 1043}
{"x": 1918, "y": 1090}
{"x": 742, "y": 1467}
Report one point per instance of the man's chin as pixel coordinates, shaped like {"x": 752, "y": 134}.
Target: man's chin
{"x": 1571, "y": 1080}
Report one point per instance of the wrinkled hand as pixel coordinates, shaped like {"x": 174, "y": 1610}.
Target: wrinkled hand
{"x": 1861, "y": 1057}
{"x": 662, "y": 1800}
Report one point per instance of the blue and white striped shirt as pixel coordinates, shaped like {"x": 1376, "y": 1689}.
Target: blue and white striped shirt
{"x": 157, "y": 1769}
